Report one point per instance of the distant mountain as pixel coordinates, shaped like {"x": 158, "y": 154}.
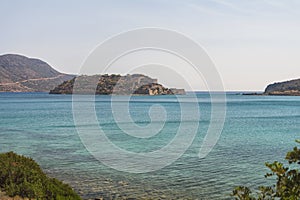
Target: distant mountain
{"x": 21, "y": 74}
{"x": 289, "y": 88}
{"x": 136, "y": 84}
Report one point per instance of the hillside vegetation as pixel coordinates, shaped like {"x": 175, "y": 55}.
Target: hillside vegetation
{"x": 22, "y": 176}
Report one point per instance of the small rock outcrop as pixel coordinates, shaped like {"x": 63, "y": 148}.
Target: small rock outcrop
{"x": 136, "y": 84}
{"x": 287, "y": 88}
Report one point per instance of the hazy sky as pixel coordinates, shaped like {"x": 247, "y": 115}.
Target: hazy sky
{"x": 252, "y": 42}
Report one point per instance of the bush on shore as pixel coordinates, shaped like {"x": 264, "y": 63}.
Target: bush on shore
{"x": 22, "y": 176}
{"x": 287, "y": 186}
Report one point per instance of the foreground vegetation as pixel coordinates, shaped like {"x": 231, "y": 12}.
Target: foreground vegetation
{"x": 287, "y": 186}
{"x": 22, "y": 176}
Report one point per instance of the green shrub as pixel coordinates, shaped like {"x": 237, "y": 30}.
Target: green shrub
{"x": 287, "y": 186}
{"x": 22, "y": 176}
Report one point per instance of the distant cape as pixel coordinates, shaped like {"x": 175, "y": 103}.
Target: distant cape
{"x": 285, "y": 88}
{"x": 288, "y": 88}
{"x": 22, "y": 74}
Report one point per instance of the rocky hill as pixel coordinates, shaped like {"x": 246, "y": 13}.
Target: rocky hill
{"x": 136, "y": 84}
{"x": 22, "y": 74}
{"x": 289, "y": 88}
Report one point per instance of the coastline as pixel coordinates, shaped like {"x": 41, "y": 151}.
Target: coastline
{"x": 272, "y": 94}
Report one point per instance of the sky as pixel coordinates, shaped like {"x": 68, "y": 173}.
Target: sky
{"x": 252, "y": 43}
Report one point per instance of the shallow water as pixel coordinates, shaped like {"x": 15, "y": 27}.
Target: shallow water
{"x": 257, "y": 129}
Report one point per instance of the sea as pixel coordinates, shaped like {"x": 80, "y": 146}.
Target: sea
{"x": 257, "y": 129}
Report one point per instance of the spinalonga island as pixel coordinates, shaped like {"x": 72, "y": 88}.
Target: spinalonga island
{"x": 115, "y": 84}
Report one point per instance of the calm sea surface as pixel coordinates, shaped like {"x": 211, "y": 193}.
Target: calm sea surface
{"x": 257, "y": 129}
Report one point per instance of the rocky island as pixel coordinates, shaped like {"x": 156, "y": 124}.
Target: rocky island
{"x": 115, "y": 84}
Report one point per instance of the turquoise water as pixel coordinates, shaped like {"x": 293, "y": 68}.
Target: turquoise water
{"x": 257, "y": 129}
